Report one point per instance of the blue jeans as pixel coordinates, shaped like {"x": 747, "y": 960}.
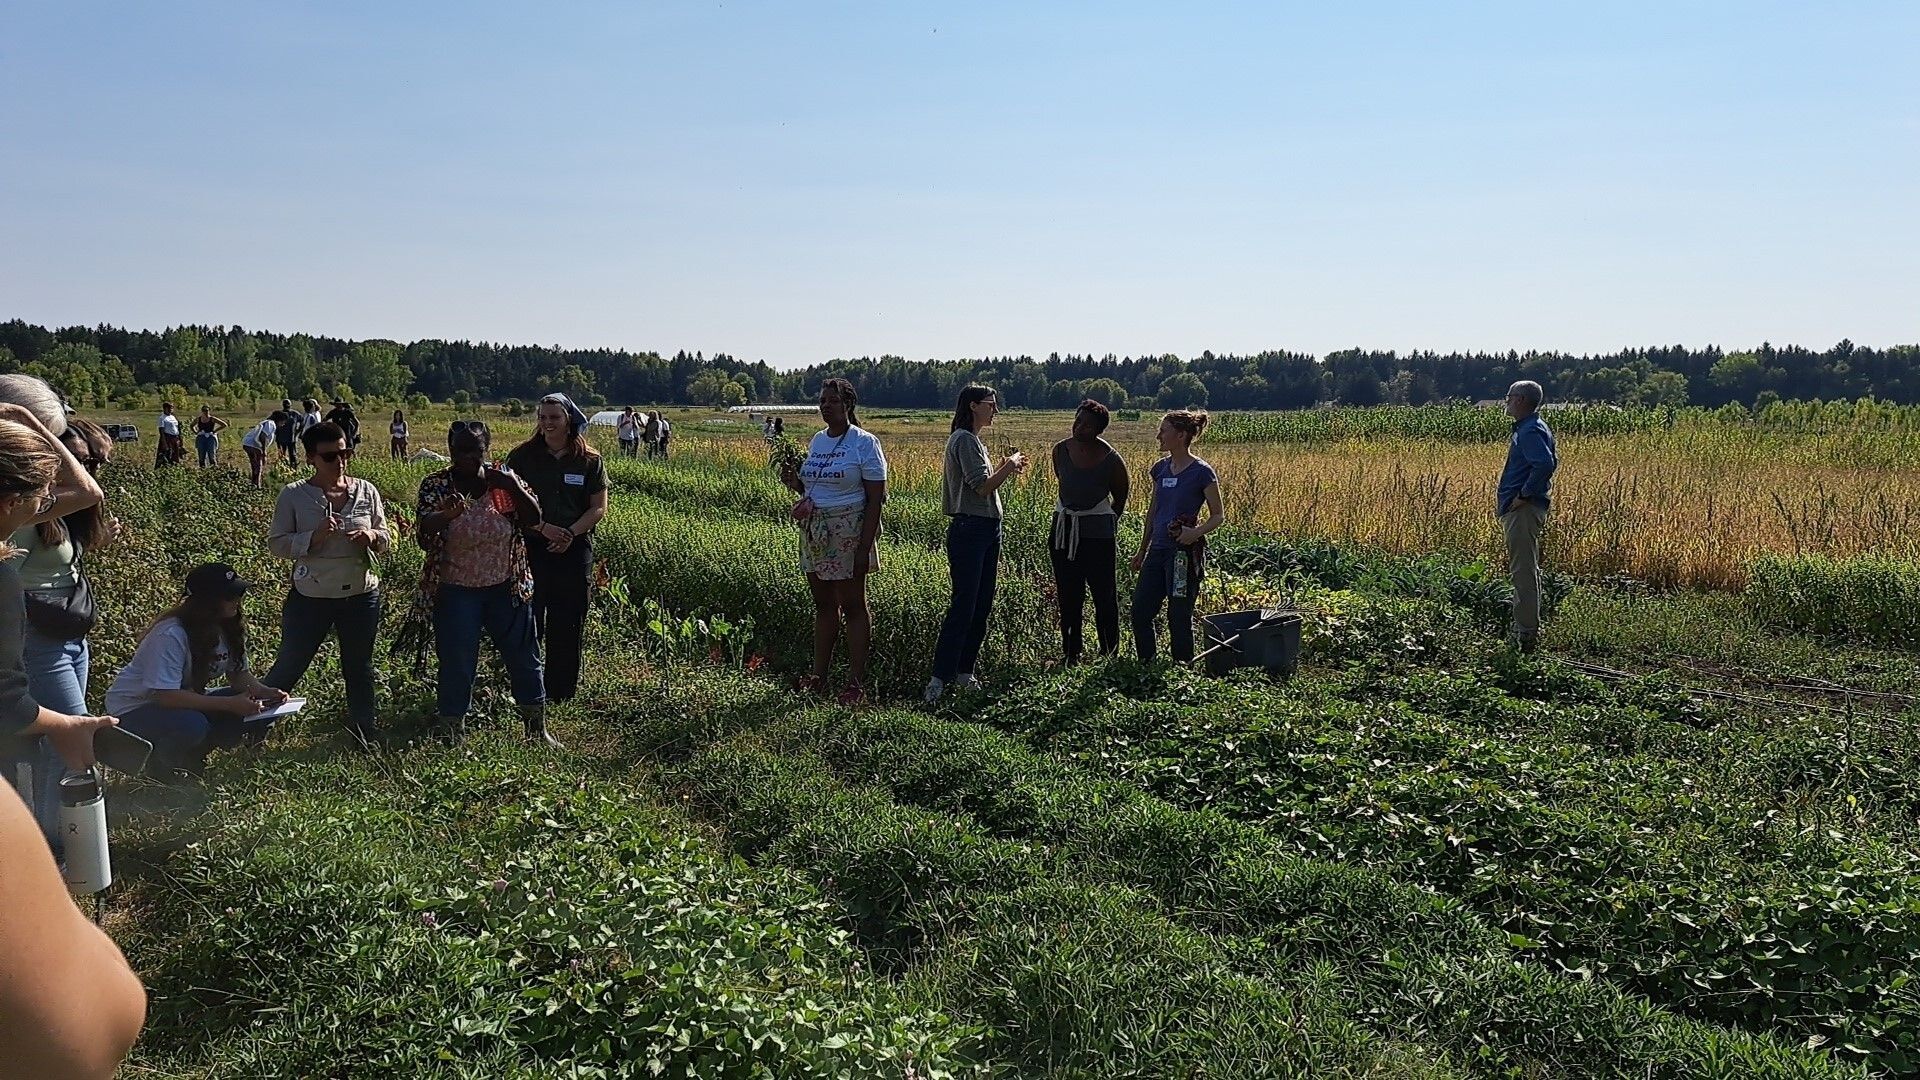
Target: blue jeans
{"x": 973, "y": 562}
{"x": 459, "y": 614}
{"x": 1154, "y": 586}
{"x": 305, "y": 622}
{"x": 182, "y": 738}
{"x": 57, "y": 679}
{"x": 207, "y": 443}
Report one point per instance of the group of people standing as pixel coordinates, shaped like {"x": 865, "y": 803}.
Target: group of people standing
{"x": 643, "y": 429}
{"x": 276, "y": 434}
{"x": 842, "y": 486}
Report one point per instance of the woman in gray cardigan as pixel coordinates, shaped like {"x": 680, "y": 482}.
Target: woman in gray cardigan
{"x": 971, "y": 493}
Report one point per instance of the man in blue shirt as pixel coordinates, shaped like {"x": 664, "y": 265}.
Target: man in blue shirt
{"x": 1523, "y": 500}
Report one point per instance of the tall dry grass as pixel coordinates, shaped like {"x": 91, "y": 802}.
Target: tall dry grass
{"x": 1682, "y": 507}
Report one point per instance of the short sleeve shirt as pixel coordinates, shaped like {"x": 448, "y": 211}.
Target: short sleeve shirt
{"x": 564, "y": 485}
{"x": 164, "y": 661}
{"x": 837, "y": 468}
{"x": 169, "y": 425}
{"x": 1177, "y": 495}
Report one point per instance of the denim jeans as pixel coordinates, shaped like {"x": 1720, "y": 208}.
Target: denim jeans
{"x": 305, "y": 622}
{"x": 182, "y": 738}
{"x": 560, "y": 590}
{"x": 973, "y": 562}
{"x": 207, "y": 443}
{"x": 57, "y": 679}
{"x": 459, "y": 615}
{"x": 1154, "y": 586}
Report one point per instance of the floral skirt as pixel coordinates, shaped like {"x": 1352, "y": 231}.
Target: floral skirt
{"x": 828, "y": 541}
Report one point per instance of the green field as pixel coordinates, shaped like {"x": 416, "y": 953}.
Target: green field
{"x": 1681, "y": 845}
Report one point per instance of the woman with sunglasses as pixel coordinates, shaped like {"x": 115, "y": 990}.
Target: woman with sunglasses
{"x": 331, "y": 525}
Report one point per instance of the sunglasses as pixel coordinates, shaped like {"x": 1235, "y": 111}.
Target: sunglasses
{"x": 331, "y": 456}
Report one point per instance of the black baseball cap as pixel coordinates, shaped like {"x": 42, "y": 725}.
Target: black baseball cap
{"x": 216, "y": 579}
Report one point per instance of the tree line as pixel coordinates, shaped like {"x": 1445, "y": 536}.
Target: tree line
{"x": 107, "y": 365}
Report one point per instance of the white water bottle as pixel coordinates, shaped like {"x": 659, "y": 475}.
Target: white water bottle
{"x": 83, "y": 832}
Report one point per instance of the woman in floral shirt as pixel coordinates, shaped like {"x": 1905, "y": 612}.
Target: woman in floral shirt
{"x": 470, "y": 522}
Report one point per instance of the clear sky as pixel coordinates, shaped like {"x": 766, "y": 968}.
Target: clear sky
{"x": 798, "y": 181}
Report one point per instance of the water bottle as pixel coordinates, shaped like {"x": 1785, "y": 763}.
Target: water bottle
{"x": 83, "y": 830}
{"x": 1180, "y": 564}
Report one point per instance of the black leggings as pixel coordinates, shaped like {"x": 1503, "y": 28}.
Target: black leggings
{"x": 1092, "y": 568}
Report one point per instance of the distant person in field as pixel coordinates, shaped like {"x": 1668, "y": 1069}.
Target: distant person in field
{"x": 258, "y": 443}
{"x": 779, "y": 427}
{"x": 287, "y": 424}
{"x": 310, "y": 413}
{"x": 666, "y": 435}
{"x": 206, "y": 435}
{"x": 1094, "y": 486}
{"x": 569, "y": 478}
{"x": 173, "y": 449}
{"x": 397, "y": 437}
{"x": 331, "y": 526}
{"x": 1171, "y": 559}
{"x": 70, "y": 1006}
{"x": 472, "y": 521}
{"x": 1524, "y": 497}
{"x": 628, "y": 429}
{"x": 842, "y": 484}
{"x": 343, "y": 416}
{"x": 162, "y": 696}
{"x": 970, "y": 495}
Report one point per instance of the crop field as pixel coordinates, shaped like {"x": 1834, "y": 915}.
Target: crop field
{"x": 1683, "y": 842}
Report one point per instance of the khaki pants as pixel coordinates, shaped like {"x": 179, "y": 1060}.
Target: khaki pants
{"x": 1523, "y": 526}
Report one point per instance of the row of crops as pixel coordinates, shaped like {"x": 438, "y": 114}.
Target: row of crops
{"x": 1421, "y": 858}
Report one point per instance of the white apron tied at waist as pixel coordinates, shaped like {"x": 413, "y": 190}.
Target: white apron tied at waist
{"x": 1066, "y": 524}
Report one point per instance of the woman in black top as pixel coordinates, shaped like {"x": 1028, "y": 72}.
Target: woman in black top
{"x": 569, "y": 478}
{"x": 1093, "y": 494}
{"x": 206, "y": 435}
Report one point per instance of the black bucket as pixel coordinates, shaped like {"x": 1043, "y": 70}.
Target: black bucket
{"x": 1269, "y": 640}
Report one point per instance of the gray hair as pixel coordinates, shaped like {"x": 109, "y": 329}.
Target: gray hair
{"x": 35, "y": 396}
{"x": 1528, "y": 390}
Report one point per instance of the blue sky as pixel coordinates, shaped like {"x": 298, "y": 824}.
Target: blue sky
{"x": 794, "y": 182}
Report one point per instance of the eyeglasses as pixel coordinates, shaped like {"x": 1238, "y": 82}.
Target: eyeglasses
{"x": 331, "y": 456}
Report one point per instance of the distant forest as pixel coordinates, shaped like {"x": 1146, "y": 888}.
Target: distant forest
{"x": 105, "y": 365}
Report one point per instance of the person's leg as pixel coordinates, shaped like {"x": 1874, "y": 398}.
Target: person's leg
{"x": 57, "y": 679}
{"x": 567, "y": 588}
{"x": 1523, "y": 528}
{"x": 989, "y": 564}
{"x": 457, "y": 614}
{"x": 180, "y": 737}
{"x": 1096, "y": 561}
{"x": 256, "y": 463}
{"x": 826, "y": 623}
{"x": 1070, "y": 584}
{"x": 966, "y": 548}
{"x": 510, "y": 624}
{"x": 853, "y": 603}
{"x": 1180, "y": 619}
{"x": 358, "y": 620}
{"x": 1148, "y": 593}
{"x": 305, "y": 622}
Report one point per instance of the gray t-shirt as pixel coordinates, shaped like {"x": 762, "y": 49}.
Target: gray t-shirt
{"x": 968, "y": 467}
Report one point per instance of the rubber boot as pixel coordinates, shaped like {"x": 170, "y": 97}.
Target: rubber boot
{"x": 536, "y": 720}
{"x": 450, "y": 729}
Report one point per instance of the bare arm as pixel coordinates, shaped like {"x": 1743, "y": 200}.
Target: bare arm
{"x": 74, "y": 488}
{"x": 1119, "y": 484}
{"x": 70, "y": 1007}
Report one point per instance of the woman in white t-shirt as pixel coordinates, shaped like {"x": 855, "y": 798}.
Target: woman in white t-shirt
{"x": 258, "y": 443}
{"x": 397, "y": 437}
{"x": 173, "y": 449}
{"x": 161, "y": 695}
{"x": 842, "y": 484}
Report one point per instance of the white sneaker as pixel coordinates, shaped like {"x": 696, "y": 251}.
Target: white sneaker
{"x": 966, "y": 682}
{"x": 934, "y": 686}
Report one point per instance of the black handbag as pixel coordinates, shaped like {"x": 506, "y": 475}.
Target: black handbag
{"x": 63, "y": 618}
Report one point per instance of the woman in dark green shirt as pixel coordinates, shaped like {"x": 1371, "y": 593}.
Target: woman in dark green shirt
{"x": 569, "y": 478}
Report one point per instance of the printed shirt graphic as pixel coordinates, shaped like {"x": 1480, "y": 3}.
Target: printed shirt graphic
{"x": 837, "y": 466}
{"x": 436, "y": 491}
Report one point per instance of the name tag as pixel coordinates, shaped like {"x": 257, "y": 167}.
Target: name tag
{"x": 576, "y": 479}
{"x": 1169, "y": 481}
